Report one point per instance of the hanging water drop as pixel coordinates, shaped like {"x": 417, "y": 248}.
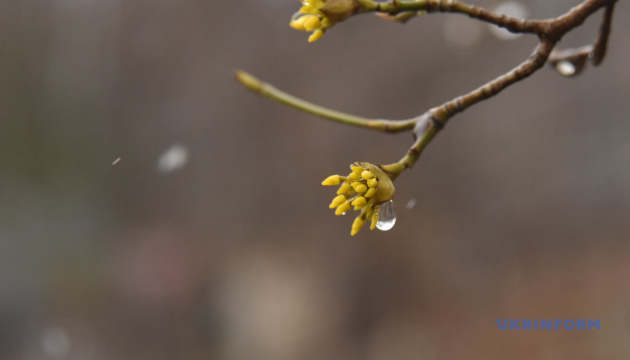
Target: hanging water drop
{"x": 386, "y": 216}
{"x": 566, "y": 68}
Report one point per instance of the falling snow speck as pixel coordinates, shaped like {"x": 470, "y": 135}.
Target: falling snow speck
{"x": 116, "y": 161}
{"x": 410, "y": 204}
{"x": 387, "y": 216}
{"x": 172, "y": 159}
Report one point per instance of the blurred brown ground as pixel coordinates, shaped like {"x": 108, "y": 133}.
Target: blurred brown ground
{"x": 522, "y": 203}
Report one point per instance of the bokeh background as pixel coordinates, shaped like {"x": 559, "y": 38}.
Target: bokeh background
{"x": 151, "y": 208}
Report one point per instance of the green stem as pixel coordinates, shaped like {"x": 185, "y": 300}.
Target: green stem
{"x": 412, "y": 154}
{"x": 270, "y": 92}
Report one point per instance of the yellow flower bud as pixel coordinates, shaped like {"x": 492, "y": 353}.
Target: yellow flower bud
{"x": 359, "y": 201}
{"x": 359, "y": 187}
{"x": 356, "y": 183}
{"x": 337, "y": 201}
{"x": 312, "y": 23}
{"x": 385, "y": 190}
{"x": 344, "y": 188}
{"x": 309, "y": 9}
{"x": 298, "y": 22}
{"x": 343, "y": 208}
{"x": 357, "y": 225}
{"x": 357, "y": 170}
{"x": 374, "y": 221}
{"x": 373, "y": 186}
{"x": 370, "y": 193}
{"x": 316, "y": 35}
{"x": 366, "y": 175}
{"x": 312, "y": 16}
{"x": 332, "y": 180}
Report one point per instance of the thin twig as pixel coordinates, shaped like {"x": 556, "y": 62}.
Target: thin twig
{"x": 269, "y": 91}
{"x": 601, "y": 43}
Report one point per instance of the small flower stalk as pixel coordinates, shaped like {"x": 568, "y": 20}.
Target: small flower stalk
{"x": 317, "y": 16}
{"x": 365, "y": 189}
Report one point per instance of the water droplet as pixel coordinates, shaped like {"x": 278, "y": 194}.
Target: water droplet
{"x": 386, "y": 216}
{"x": 566, "y": 68}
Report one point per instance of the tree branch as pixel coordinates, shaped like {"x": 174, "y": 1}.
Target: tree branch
{"x": 427, "y": 126}
{"x": 551, "y": 31}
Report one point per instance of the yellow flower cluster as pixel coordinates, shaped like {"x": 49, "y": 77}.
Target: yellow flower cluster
{"x": 365, "y": 189}
{"x": 311, "y": 18}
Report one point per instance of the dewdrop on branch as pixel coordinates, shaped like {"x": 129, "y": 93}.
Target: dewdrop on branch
{"x": 566, "y": 68}
{"x": 368, "y": 189}
{"x": 570, "y": 66}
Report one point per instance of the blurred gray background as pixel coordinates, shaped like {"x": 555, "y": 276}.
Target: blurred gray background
{"x": 211, "y": 238}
